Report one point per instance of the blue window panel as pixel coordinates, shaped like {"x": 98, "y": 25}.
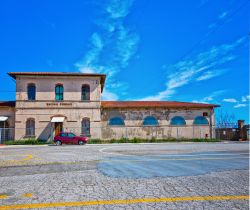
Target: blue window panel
{"x": 85, "y": 93}
{"x": 150, "y": 121}
{"x": 32, "y": 92}
{"x": 200, "y": 120}
{"x": 116, "y": 121}
{"x": 59, "y": 92}
{"x": 178, "y": 121}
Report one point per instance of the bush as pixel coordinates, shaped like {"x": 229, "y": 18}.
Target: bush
{"x": 122, "y": 140}
{"x": 136, "y": 140}
{"x": 27, "y": 142}
{"x": 95, "y": 141}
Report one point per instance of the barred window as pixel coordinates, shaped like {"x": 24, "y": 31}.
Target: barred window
{"x": 86, "y": 127}
{"x": 30, "y": 127}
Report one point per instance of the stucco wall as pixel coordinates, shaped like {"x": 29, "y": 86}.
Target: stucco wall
{"x": 45, "y": 107}
{"x": 133, "y": 119}
{"x": 10, "y": 113}
{"x": 45, "y": 87}
{"x": 44, "y": 127}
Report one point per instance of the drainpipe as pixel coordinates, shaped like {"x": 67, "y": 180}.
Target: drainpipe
{"x": 211, "y": 123}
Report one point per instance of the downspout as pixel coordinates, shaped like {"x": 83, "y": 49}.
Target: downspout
{"x": 211, "y": 123}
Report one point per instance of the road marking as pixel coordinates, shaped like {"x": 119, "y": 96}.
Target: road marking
{"x": 173, "y": 159}
{"x": 28, "y": 195}
{"x": 191, "y": 154}
{"x": 129, "y": 201}
{"x": 3, "y": 196}
{"x": 112, "y": 153}
{"x": 26, "y": 158}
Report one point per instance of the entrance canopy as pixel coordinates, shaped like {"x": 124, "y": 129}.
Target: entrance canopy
{"x": 57, "y": 119}
{"x": 3, "y": 118}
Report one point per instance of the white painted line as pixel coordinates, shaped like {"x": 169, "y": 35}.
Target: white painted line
{"x": 111, "y": 153}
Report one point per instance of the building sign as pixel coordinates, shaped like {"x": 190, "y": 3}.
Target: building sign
{"x": 59, "y": 104}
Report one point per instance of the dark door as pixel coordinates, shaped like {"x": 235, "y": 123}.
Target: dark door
{"x": 85, "y": 127}
{"x": 58, "y": 128}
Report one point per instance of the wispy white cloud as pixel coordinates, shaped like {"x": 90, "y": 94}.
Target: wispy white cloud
{"x": 223, "y": 15}
{"x": 245, "y": 98}
{"x": 210, "y": 74}
{"x": 107, "y": 95}
{"x": 199, "y": 67}
{"x": 240, "y": 105}
{"x": 210, "y": 98}
{"x": 242, "y": 102}
{"x": 112, "y": 46}
{"x": 159, "y": 96}
{"x": 230, "y": 100}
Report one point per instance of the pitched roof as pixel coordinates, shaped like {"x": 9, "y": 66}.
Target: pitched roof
{"x": 8, "y": 103}
{"x": 141, "y": 104}
{"x": 103, "y": 76}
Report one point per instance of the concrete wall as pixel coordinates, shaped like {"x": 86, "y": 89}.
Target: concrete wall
{"x": 133, "y": 119}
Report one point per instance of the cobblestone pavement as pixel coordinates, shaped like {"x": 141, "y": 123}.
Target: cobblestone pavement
{"x": 69, "y": 177}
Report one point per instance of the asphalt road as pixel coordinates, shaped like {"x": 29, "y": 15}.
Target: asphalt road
{"x": 125, "y": 176}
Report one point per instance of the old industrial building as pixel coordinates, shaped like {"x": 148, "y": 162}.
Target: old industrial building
{"x": 49, "y": 102}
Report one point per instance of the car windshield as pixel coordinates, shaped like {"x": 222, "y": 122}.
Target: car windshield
{"x": 63, "y": 134}
{"x": 71, "y": 135}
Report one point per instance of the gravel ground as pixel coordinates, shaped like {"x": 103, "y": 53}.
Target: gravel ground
{"x": 51, "y": 174}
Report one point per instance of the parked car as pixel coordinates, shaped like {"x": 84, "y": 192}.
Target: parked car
{"x": 69, "y": 138}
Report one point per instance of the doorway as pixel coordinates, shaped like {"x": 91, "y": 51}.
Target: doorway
{"x": 58, "y": 128}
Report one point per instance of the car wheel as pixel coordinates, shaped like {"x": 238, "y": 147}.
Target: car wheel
{"x": 80, "y": 142}
{"x": 58, "y": 143}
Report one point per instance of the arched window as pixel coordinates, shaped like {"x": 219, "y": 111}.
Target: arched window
{"x": 200, "y": 120}
{"x": 30, "y": 127}
{"x": 31, "y": 90}
{"x": 85, "y": 127}
{"x": 116, "y": 121}
{"x": 85, "y": 93}
{"x": 59, "y": 92}
{"x": 150, "y": 121}
{"x": 177, "y": 120}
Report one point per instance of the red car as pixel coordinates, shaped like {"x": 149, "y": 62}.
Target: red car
{"x": 69, "y": 138}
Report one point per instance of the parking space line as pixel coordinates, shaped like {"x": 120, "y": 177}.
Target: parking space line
{"x": 174, "y": 159}
{"x": 26, "y": 158}
{"x": 129, "y": 201}
{"x": 28, "y": 195}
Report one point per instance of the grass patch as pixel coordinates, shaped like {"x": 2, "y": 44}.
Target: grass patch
{"x": 27, "y": 142}
{"x": 152, "y": 140}
{"x": 111, "y": 141}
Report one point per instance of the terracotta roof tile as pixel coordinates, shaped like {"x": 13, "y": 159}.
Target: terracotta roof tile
{"x": 136, "y": 104}
{"x": 14, "y": 74}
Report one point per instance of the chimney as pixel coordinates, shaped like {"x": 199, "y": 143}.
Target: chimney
{"x": 240, "y": 129}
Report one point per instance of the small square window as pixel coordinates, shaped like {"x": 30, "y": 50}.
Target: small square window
{"x": 205, "y": 114}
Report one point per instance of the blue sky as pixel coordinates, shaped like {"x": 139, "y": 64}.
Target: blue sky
{"x": 195, "y": 51}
